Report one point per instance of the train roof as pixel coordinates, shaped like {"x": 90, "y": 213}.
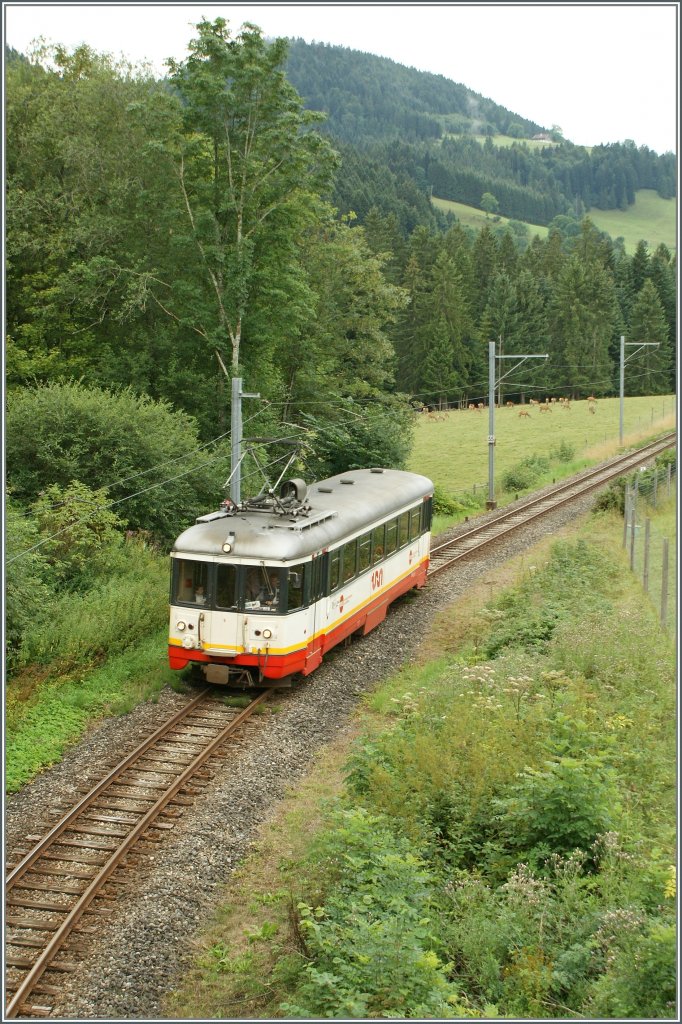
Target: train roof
{"x": 344, "y": 505}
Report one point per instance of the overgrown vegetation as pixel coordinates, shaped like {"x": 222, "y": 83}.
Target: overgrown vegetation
{"x": 504, "y": 848}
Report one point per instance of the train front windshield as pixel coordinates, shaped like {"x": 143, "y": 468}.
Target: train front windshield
{"x": 230, "y": 587}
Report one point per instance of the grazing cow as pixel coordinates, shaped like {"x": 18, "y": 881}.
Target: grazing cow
{"x": 545, "y": 408}
{"x": 591, "y": 398}
{"x": 533, "y": 401}
{"x": 524, "y": 412}
{"x": 510, "y": 405}
{"x": 565, "y": 404}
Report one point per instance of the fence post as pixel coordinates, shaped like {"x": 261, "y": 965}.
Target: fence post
{"x": 633, "y": 520}
{"x": 626, "y": 512}
{"x": 647, "y": 538}
{"x": 664, "y": 583}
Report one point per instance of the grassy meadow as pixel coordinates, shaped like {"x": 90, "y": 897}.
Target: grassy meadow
{"x": 470, "y": 217}
{"x": 651, "y": 218}
{"x": 453, "y": 451}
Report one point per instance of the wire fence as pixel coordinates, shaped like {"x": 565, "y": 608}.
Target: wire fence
{"x": 652, "y": 553}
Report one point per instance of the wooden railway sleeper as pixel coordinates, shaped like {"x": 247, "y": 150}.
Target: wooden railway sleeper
{"x": 55, "y": 965}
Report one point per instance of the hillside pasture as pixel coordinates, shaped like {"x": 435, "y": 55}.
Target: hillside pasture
{"x": 470, "y": 217}
{"x": 651, "y": 218}
{"x": 452, "y": 448}
{"x": 505, "y": 141}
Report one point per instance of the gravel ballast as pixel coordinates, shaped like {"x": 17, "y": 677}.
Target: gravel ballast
{"x": 146, "y": 944}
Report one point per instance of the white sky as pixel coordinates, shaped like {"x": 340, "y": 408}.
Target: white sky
{"x": 601, "y": 72}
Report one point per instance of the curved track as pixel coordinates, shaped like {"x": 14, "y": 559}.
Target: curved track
{"x": 58, "y": 884}
{"x": 514, "y": 517}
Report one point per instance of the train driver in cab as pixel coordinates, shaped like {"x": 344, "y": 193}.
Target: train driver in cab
{"x": 269, "y": 592}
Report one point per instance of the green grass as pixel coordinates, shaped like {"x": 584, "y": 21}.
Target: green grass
{"x": 506, "y": 141}
{"x": 651, "y": 218}
{"x": 470, "y": 217}
{"x": 59, "y": 711}
{"x": 454, "y": 452}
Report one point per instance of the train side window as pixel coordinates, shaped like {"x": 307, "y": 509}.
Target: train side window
{"x": 190, "y": 581}
{"x": 378, "y": 543}
{"x": 391, "y": 536}
{"x": 415, "y": 522}
{"x": 364, "y": 552}
{"x": 226, "y": 587}
{"x": 334, "y": 570}
{"x": 296, "y": 587}
{"x": 349, "y": 561}
{"x": 403, "y": 528}
{"x": 427, "y": 514}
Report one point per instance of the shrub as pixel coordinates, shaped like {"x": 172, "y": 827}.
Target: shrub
{"x": 373, "y": 946}
{"x": 564, "y": 451}
{"x": 76, "y": 528}
{"x": 559, "y": 807}
{"x": 82, "y": 628}
{"x": 144, "y": 451}
{"x": 640, "y": 981}
{"x": 26, "y": 579}
{"x": 525, "y": 474}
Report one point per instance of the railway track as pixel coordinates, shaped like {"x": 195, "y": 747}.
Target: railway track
{"x": 444, "y": 555}
{"x": 59, "y": 887}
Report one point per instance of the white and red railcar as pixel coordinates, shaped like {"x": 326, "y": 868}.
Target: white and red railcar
{"x": 261, "y": 591}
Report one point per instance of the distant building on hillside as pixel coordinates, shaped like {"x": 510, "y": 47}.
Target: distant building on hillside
{"x": 542, "y": 137}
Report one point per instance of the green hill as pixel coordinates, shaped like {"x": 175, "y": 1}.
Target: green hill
{"x": 406, "y": 135}
{"x": 650, "y": 218}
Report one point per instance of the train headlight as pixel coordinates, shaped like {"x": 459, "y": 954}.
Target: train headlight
{"x": 229, "y": 543}
{"x": 267, "y": 633}
{"x": 181, "y": 626}
{"x": 188, "y": 642}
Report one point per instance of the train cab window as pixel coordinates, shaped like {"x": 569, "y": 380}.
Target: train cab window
{"x": 415, "y": 522}
{"x": 190, "y": 581}
{"x": 378, "y": 544}
{"x": 262, "y": 588}
{"x": 334, "y": 570}
{"x": 318, "y": 577}
{"x": 364, "y": 552}
{"x": 349, "y": 561}
{"x": 391, "y": 536}
{"x": 296, "y": 587}
{"x": 403, "y": 528}
{"x": 226, "y": 587}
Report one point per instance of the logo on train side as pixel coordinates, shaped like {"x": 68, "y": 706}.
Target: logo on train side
{"x": 377, "y": 579}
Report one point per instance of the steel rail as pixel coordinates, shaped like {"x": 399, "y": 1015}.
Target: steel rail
{"x": 542, "y": 503}
{"x": 85, "y": 899}
{"x": 61, "y": 826}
